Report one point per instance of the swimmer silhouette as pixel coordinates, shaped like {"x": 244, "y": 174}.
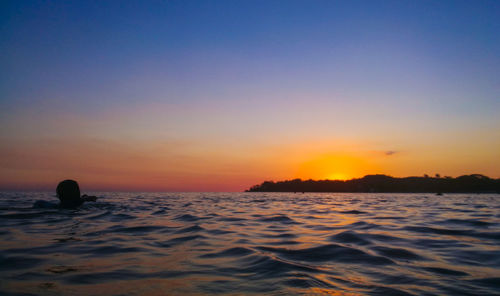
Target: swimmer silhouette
{"x": 68, "y": 193}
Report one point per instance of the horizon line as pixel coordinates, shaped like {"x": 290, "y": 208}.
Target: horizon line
{"x": 45, "y": 188}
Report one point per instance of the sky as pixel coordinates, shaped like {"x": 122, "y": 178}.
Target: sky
{"x": 222, "y": 95}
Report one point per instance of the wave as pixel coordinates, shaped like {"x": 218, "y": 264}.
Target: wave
{"x": 269, "y": 243}
{"x": 330, "y": 252}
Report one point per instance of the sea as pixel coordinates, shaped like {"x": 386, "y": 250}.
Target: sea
{"x": 252, "y": 244}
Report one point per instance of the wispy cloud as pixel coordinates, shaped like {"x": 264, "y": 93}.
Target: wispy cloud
{"x": 390, "y": 152}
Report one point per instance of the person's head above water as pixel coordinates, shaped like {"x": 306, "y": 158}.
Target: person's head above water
{"x": 68, "y": 193}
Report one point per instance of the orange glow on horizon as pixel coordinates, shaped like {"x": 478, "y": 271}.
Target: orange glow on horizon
{"x": 113, "y": 165}
{"x": 340, "y": 166}
{"x": 339, "y": 176}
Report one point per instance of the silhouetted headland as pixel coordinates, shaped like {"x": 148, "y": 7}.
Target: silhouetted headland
{"x": 474, "y": 183}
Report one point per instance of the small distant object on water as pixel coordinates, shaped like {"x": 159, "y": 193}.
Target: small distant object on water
{"x": 68, "y": 193}
{"x": 439, "y": 193}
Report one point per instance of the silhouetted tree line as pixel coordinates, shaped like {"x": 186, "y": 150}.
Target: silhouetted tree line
{"x": 381, "y": 183}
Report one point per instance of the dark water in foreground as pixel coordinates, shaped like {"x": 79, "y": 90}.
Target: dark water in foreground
{"x": 252, "y": 243}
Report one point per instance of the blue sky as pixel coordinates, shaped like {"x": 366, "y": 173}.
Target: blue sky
{"x": 414, "y": 76}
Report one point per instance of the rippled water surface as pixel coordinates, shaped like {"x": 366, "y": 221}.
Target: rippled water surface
{"x": 252, "y": 243}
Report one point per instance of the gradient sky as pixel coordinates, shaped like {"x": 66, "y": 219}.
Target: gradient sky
{"x": 222, "y": 95}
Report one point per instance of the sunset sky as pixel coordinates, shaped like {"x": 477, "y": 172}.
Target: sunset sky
{"x": 222, "y": 95}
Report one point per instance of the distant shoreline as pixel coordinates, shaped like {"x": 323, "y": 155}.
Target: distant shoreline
{"x": 474, "y": 183}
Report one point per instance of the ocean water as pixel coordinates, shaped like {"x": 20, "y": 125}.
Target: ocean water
{"x": 252, "y": 243}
